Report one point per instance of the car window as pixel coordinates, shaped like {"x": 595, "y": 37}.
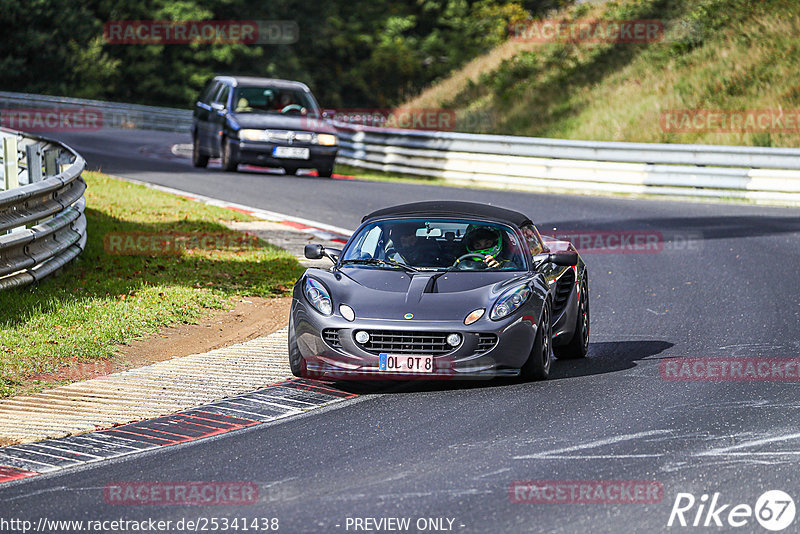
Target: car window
{"x": 437, "y": 244}
{"x": 532, "y": 237}
{"x": 222, "y": 95}
{"x": 209, "y": 91}
{"x": 273, "y": 100}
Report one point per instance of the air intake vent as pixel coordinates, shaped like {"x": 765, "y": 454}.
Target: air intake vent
{"x": 331, "y": 337}
{"x": 401, "y": 342}
{"x": 486, "y": 342}
{"x": 563, "y": 290}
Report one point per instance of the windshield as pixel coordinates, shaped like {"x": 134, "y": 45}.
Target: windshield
{"x": 436, "y": 245}
{"x": 273, "y": 100}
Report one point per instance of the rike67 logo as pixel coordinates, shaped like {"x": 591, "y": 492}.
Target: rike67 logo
{"x": 774, "y": 510}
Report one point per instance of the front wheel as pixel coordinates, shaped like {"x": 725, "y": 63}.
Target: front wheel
{"x": 325, "y": 172}
{"x": 538, "y": 365}
{"x": 229, "y": 162}
{"x": 578, "y": 346}
{"x": 199, "y": 159}
{"x": 296, "y": 362}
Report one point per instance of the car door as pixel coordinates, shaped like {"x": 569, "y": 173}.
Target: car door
{"x": 202, "y": 114}
{"x": 218, "y": 115}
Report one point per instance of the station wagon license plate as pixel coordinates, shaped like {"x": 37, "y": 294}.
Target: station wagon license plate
{"x": 291, "y": 152}
{"x": 406, "y": 363}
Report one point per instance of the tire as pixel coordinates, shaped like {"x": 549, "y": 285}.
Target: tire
{"x": 290, "y": 170}
{"x": 296, "y": 362}
{"x": 199, "y": 159}
{"x": 229, "y": 163}
{"x": 325, "y": 172}
{"x": 578, "y": 346}
{"x": 540, "y": 360}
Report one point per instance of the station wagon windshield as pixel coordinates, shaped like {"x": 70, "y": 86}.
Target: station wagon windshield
{"x": 273, "y": 100}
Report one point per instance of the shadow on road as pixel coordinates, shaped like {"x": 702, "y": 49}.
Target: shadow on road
{"x": 604, "y": 357}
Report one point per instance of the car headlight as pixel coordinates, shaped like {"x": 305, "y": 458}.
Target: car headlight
{"x": 510, "y": 301}
{"x": 327, "y": 139}
{"x": 253, "y": 135}
{"x": 318, "y": 296}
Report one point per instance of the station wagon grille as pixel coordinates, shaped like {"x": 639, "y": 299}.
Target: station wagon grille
{"x": 401, "y": 342}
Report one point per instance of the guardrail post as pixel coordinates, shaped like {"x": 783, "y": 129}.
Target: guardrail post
{"x": 50, "y": 163}
{"x": 34, "y": 158}
{"x": 10, "y": 166}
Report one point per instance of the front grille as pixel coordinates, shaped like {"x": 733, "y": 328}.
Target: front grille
{"x": 563, "y": 290}
{"x": 331, "y": 337}
{"x": 486, "y": 342}
{"x": 400, "y": 342}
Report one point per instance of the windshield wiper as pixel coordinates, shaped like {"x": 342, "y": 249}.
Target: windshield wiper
{"x": 376, "y": 261}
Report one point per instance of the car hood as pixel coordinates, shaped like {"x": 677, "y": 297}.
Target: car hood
{"x": 268, "y": 121}
{"x": 429, "y": 296}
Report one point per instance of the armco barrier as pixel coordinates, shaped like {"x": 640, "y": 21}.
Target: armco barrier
{"x": 42, "y": 225}
{"x": 757, "y": 174}
{"x": 752, "y": 173}
{"x": 108, "y": 114}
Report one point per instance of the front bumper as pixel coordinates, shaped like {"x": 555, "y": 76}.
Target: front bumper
{"x": 350, "y": 361}
{"x": 260, "y": 153}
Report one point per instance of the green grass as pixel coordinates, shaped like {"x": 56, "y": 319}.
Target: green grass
{"x": 102, "y": 300}
{"x": 716, "y": 55}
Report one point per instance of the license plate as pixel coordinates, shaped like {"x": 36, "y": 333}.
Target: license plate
{"x": 291, "y": 152}
{"x": 405, "y": 363}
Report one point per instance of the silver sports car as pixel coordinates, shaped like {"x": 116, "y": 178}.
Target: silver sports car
{"x": 440, "y": 290}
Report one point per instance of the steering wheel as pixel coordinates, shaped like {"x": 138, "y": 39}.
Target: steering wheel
{"x": 293, "y": 107}
{"x": 474, "y": 256}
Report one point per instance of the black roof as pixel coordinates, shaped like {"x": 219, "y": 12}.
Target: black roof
{"x": 436, "y": 208}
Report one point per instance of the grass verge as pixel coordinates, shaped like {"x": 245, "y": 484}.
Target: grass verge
{"x": 103, "y": 299}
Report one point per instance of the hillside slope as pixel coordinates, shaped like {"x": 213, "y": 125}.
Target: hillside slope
{"x": 733, "y": 56}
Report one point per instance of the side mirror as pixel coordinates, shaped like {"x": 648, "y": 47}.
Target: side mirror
{"x": 218, "y": 106}
{"x": 317, "y": 252}
{"x": 314, "y": 252}
{"x": 566, "y": 259}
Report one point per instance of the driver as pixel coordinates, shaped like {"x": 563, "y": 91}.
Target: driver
{"x": 284, "y": 100}
{"x": 487, "y": 241}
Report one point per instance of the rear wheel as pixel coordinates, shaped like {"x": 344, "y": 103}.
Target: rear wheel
{"x": 229, "y": 163}
{"x": 290, "y": 170}
{"x": 538, "y": 365}
{"x": 199, "y": 159}
{"x": 325, "y": 172}
{"x": 578, "y": 346}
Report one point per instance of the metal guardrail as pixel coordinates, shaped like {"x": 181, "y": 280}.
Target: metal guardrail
{"x": 109, "y": 114}
{"x": 752, "y": 173}
{"x": 529, "y": 163}
{"x": 42, "y": 224}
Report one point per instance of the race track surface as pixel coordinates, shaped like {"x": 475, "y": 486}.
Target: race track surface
{"x": 723, "y": 285}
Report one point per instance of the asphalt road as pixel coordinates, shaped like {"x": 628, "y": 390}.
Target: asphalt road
{"x": 453, "y": 450}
